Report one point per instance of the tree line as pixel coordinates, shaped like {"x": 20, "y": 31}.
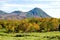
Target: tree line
{"x": 30, "y": 25}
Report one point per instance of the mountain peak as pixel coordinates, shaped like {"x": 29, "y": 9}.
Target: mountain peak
{"x": 38, "y": 12}
{"x": 36, "y": 8}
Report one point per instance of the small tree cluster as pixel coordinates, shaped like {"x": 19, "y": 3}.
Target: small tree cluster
{"x": 30, "y": 25}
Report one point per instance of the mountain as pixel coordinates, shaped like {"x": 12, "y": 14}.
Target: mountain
{"x": 36, "y": 12}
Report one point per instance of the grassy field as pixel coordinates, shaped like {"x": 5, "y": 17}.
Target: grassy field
{"x": 31, "y": 36}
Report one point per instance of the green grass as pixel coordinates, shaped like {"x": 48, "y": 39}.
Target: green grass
{"x": 31, "y": 36}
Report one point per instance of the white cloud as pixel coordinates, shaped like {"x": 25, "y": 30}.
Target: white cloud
{"x": 55, "y": 3}
{"x": 11, "y": 7}
{"x": 53, "y": 12}
{"x": 47, "y": 0}
{"x": 42, "y": 0}
{"x": 27, "y": 5}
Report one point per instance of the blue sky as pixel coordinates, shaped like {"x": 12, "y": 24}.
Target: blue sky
{"x": 51, "y": 7}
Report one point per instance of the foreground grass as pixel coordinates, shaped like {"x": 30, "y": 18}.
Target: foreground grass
{"x": 31, "y": 36}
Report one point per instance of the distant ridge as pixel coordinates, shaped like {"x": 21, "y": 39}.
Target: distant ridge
{"x": 16, "y": 12}
{"x": 36, "y": 12}
{"x": 2, "y": 12}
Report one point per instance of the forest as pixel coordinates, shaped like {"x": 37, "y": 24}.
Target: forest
{"x": 30, "y": 25}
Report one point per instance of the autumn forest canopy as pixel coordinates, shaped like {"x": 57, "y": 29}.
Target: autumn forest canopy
{"x": 30, "y": 25}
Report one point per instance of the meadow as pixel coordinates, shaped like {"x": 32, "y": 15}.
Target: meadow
{"x": 31, "y": 36}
